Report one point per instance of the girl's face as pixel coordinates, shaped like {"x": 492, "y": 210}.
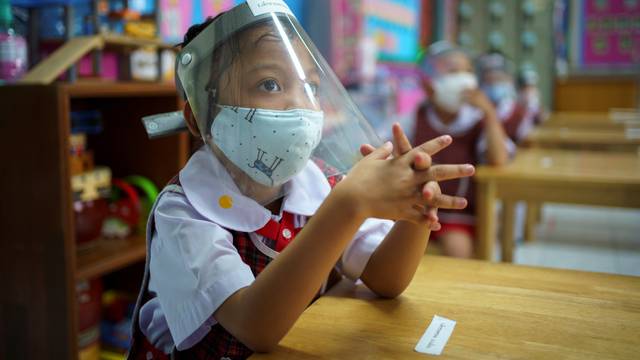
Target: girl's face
{"x": 454, "y": 62}
{"x": 495, "y": 77}
{"x": 271, "y": 71}
{"x": 451, "y": 63}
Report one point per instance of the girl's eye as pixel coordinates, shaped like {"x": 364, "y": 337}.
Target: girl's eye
{"x": 270, "y": 86}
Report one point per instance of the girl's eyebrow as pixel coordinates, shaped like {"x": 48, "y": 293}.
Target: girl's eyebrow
{"x": 268, "y": 66}
{"x": 275, "y": 66}
{"x": 265, "y": 35}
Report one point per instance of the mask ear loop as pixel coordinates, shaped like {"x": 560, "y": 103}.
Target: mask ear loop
{"x": 213, "y": 101}
{"x": 212, "y": 90}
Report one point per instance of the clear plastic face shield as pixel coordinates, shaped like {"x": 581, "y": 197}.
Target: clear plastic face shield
{"x": 266, "y": 102}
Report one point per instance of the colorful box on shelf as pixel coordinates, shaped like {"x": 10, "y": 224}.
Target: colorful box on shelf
{"x": 81, "y": 162}
{"x": 89, "y": 298}
{"x": 90, "y": 205}
{"x": 115, "y": 329}
{"x": 78, "y": 143}
{"x": 91, "y": 185}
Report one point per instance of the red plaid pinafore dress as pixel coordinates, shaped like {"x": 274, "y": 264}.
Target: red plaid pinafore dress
{"x": 218, "y": 343}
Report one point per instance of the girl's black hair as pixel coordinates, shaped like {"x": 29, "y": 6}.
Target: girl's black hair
{"x": 196, "y": 29}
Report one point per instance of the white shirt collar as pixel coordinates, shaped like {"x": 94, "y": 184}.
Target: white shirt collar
{"x": 505, "y": 108}
{"x": 467, "y": 117}
{"x": 210, "y": 189}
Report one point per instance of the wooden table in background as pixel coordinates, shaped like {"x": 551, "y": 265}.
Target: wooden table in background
{"x": 582, "y": 120}
{"x": 560, "y": 176}
{"x": 583, "y": 139}
{"x": 502, "y": 311}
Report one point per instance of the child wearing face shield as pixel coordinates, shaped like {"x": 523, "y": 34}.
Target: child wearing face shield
{"x": 518, "y": 114}
{"x": 457, "y": 107}
{"x": 529, "y": 94}
{"x": 261, "y": 220}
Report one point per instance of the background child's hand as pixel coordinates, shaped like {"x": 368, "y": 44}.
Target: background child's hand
{"x": 430, "y": 190}
{"x": 477, "y": 98}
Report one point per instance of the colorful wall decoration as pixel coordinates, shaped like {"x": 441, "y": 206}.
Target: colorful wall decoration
{"x": 178, "y": 16}
{"x": 346, "y": 32}
{"x": 608, "y": 33}
{"x": 212, "y": 7}
{"x": 395, "y": 26}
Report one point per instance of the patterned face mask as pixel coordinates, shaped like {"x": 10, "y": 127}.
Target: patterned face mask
{"x": 270, "y": 146}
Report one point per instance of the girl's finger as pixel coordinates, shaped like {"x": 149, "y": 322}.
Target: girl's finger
{"x": 424, "y": 216}
{"x": 382, "y": 152}
{"x": 430, "y": 219}
{"x": 443, "y": 201}
{"x": 416, "y": 215}
{"x": 401, "y": 142}
{"x": 429, "y": 191}
{"x": 421, "y": 161}
{"x": 432, "y": 214}
{"x": 366, "y": 149}
{"x": 434, "y": 146}
{"x": 445, "y": 172}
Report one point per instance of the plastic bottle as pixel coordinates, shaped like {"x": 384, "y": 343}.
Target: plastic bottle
{"x": 13, "y": 47}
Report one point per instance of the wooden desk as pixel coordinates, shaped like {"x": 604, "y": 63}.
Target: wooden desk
{"x": 582, "y": 139}
{"x": 582, "y": 120}
{"x": 562, "y": 176}
{"x": 502, "y": 311}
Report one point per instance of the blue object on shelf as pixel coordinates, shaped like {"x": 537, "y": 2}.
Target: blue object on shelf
{"x": 51, "y": 16}
{"x": 39, "y": 3}
{"x": 144, "y": 7}
{"x": 52, "y": 23}
{"x": 86, "y": 121}
{"x": 116, "y": 335}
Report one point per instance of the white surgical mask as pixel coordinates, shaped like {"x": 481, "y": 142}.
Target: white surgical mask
{"x": 448, "y": 89}
{"x": 270, "y": 146}
{"x": 500, "y": 91}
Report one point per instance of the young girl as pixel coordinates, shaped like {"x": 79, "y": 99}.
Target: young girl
{"x": 518, "y": 114}
{"x": 224, "y": 276}
{"x": 457, "y": 107}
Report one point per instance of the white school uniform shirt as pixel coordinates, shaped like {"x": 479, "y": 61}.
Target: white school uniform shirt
{"x": 194, "y": 266}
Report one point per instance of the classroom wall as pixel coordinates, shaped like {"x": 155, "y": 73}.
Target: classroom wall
{"x": 522, "y": 30}
{"x": 596, "y": 93}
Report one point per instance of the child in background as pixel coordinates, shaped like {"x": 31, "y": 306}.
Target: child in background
{"x": 518, "y": 113}
{"x": 224, "y": 276}
{"x": 529, "y": 93}
{"x": 457, "y": 107}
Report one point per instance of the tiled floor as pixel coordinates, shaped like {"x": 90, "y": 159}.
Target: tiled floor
{"x": 585, "y": 238}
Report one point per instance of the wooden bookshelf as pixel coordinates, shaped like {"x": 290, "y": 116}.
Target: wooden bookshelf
{"x": 108, "y": 255}
{"x": 40, "y": 263}
{"x": 106, "y": 89}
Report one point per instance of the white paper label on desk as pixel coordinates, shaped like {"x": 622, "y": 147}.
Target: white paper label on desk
{"x": 435, "y": 338}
